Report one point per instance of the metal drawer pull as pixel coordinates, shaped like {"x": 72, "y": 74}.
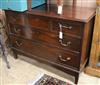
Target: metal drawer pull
{"x": 61, "y": 37}
{"x": 64, "y": 60}
{"x": 63, "y": 44}
{"x": 18, "y": 43}
{"x": 16, "y": 30}
{"x": 68, "y": 27}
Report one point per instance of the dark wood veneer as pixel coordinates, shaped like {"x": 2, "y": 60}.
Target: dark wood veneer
{"x": 80, "y": 14}
{"x": 43, "y": 51}
{"x": 35, "y": 34}
{"x": 73, "y": 44}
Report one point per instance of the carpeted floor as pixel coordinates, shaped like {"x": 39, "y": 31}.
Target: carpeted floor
{"x": 22, "y": 72}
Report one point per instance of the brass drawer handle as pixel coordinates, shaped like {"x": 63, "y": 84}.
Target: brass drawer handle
{"x": 61, "y": 37}
{"x": 65, "y": 44}
{"x": 64, "y": 60}
{"x": 18, "y": 43}
{"x": 68, "y": 27}
{"x": 16, "y": 30}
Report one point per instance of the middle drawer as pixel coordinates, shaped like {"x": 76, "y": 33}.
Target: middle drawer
{"x": 49, "y": 38}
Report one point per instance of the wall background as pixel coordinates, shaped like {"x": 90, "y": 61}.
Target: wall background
{"x": 81, "y": 3}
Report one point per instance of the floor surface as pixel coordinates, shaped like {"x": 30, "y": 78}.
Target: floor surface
{"x": 23, "y": 72}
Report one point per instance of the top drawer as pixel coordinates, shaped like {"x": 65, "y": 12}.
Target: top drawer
{"x": 16, "y": 17}
{"x": 69, "y": 27}
{"x": 39, "y": 22}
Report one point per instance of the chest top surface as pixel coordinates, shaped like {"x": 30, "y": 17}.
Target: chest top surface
{"x": 82, "y": 14}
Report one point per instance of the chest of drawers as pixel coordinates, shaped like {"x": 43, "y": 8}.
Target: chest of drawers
{"x": 62, "y": 41}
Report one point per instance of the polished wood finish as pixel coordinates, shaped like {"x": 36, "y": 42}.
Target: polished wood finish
{"x": 69, "y": 27}
{"x": 39, "y": 23}
{"x": 44, "y": 51}
{"x": 73, "y": 44}
{"x": 35, "y": 34}
{"x": 81, "y": 14}
{"x": 16, "y": 17}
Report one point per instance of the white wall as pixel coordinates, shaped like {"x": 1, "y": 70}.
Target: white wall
{"x": 82, "y": 3}
{"x": 86, "y": 3}
{"x": 68, "y": 2}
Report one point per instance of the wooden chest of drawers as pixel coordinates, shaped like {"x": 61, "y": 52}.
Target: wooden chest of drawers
{"x": 62, "y": 41}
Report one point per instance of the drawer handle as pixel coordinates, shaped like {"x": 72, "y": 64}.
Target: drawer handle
{"x": 61, "y": 37}
{"x": 63, "y": 44}
{"x": 16, "y": 30}
{"x": 64, "y": 60}
{"x": 18, "y": 43}
{"x": 68, "y": 27}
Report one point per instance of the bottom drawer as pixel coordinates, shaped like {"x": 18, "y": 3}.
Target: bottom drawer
{"x": 47, "y": 53}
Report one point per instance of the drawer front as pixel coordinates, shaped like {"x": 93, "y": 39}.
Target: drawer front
{"x": 44, "y": 52}
{"x": 16, "y": 17}
{"x": 22, "y": 31}
{"x": 67, "y": 43}
{"x": 71, "y": 28}
{"x": 39, "y": 23}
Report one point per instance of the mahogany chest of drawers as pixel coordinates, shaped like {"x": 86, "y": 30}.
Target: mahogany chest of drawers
{"x": 62, "y": 41}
